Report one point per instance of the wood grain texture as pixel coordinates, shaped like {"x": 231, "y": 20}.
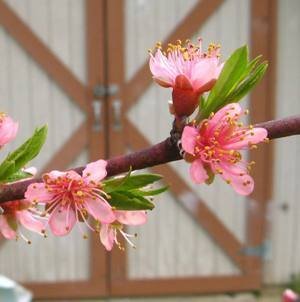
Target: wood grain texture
{"x": 284, "y": 225}
{"x": 31, "y": 96}
{"x": 152, "y": 107}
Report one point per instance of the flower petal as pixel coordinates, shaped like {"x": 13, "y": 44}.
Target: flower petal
{"x": 5, "y": 229}
{"x": 254, "y": 136}
{"x": 163, "y": 69}
{"x": 107, "y": 236}
{"x": 188, "y": 139}
{"x": 131, "y": 217}
{"x": 37, "y": 192}
{"x": 62, "y": 220}
{"x": 238, "y": 177}
{"x": 95, "y": 171}
{"x": 289, "y": 296}
{"x": 100, "y": 209}
{"x": 203, "y": 72}
{"x": 8, "y": 130}
{"x": 29, "y": 222}
{"x": 198, "y": 172}
{"x": 162, "y": 82}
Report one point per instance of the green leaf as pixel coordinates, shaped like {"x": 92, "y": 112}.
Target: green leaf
{"x": 124, "y": 200}
{"x": 131, "y": 182}
{"x": 6, "y": 168}
{"x": 252, "y": 64}
{"x": 248, "y": 83}
{"x": 113, "y": 183}
{"x": 232, "y": 72}
{"x": 25, "y": 153}
{"x": 18, "y": 176}
{"x": 150, "y": 192}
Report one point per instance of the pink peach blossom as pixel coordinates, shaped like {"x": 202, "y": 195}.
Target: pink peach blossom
{"x": 8, "y": 129}
{"x": 213, "y": 147}
{"x": 108, "y": 232}
{"x": 71, "y": 198}
{"x": 18, "y": 213}
{"x": 188, "y": 70}
{"x": 290, "y": 296}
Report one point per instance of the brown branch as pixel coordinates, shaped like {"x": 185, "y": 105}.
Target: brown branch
{"x": 161, "y": 153}
{"x": 281, "y": 128}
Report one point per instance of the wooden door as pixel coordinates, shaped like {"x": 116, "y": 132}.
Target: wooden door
{"x": 199, "y": 239}
{"x": 51, "y": 67}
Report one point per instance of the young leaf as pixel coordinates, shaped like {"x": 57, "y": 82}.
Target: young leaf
{"x": 114, "y": 183}
{"x": 18, "y": 176}
{"x": 232, "y": 72}
{"x": 248, "y": 83}
{"x": 25, "y": 153}
{"x": 124, "y": 200}
{"x": 6, "y": 168}
{"x": 132, "y": 182}
{"x": 150, "y": 192}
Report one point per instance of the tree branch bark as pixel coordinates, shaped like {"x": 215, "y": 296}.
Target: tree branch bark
{"x": 161, "y": 153}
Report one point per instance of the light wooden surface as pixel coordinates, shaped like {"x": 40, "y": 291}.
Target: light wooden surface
{"x": 32, "y": 98}
{"x": 172, "y": 244}
{"x": 284, "y": 222}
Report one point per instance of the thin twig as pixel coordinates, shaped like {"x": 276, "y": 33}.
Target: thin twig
{"x": 161, "y": 153}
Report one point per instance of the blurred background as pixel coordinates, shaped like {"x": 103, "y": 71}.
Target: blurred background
{"x": 81, "y": 66}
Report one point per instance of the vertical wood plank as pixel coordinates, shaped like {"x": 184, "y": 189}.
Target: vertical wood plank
{"x": 285, "y": 226}
{"x": 263, "y": 33}
{"x": 97, "y": 147}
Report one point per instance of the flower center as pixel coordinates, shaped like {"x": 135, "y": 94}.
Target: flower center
{"x": 190, "y": 51}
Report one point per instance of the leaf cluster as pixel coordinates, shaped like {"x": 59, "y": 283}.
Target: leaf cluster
{"x": 239, "y": 75}
{"x": 129, "y": 192}
{"x": 11, "y": 167}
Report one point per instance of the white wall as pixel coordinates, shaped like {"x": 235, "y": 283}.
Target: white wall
{"x": 285, "y": 207}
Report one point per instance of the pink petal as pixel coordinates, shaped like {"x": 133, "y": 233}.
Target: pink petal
{"x": 62, "y": 220}
{"x": 107, "y": 236}
{"x": 131, "y": 217}
{"x": 197, "y": 172}
{"x": 254, "y": 136}
{"x": 162, "y": 82}
{"x": 230, "y": 110}
{"x": 56, "y": 174}
{"x": 95, "y": 171}
{"x": 37, "y": 192}
{"x": 29, "y": 222}
{"x": 289, "y": 296}
{"x": 188, "y": 139}
{"x": 5, "y": 229}
{"x": 100, "y": 210}
{"x": 163, "y": 69}
{"x": 8, "y": 130}
{"x": 238, "y": 177}
{"x": 204, "y": 71}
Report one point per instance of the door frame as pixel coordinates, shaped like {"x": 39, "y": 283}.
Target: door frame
{"x": 85, "y": 136}
{"x": 263, "y": 27}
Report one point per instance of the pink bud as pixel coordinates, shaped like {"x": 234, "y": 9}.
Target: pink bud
{"x": 289, "y": 296}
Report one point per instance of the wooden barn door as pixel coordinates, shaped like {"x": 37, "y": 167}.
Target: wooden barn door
{"x": 82, "y": 67}
{"x": 199, "y": 239}
{"x": 51, "y": 72}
